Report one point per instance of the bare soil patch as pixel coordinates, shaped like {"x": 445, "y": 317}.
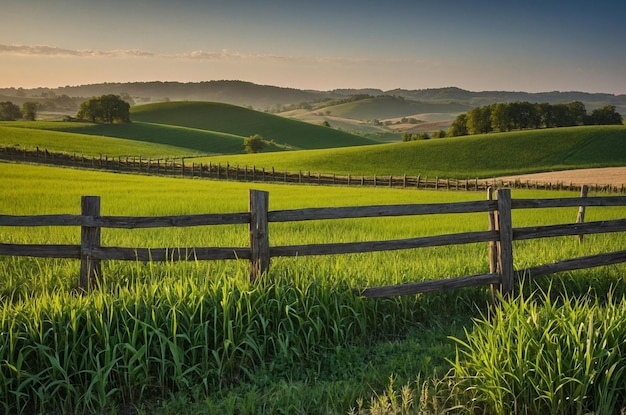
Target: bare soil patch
{"x": 615, "y": 176}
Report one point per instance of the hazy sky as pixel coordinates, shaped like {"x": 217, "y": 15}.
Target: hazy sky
{"x": 524, "y": 45}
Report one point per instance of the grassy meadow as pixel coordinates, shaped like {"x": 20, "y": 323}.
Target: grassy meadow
{"x": 246, "y": 122}
{"x": 198, "y": 337}
{"x": 482, "y": 156}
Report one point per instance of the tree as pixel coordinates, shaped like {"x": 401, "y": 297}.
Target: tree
{"x": 29, "y": 110}
{"x": 254, "y": 144}
{"x": 9, "y": 111}
{"x": 605, "y": 116}
{"x": 479, "y": 120}
{"x": 458, "y": 127}
{"x": 500, "y": 117}
{"x": 106, "y": 108}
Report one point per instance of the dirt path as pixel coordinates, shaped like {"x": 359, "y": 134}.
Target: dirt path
{"x": 615, "y": 176}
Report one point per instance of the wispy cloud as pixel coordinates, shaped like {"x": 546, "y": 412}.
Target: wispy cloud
{"x": 199, "y": 55}
{"x": 44, "y": 50}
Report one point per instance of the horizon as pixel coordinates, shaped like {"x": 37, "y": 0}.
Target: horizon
{"x": 537, "y": 46}
{"x": 309, "y": 89}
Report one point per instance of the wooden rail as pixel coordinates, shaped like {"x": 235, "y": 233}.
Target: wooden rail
{"x": 500, "y": 236}
{"x": 186, "y": 167}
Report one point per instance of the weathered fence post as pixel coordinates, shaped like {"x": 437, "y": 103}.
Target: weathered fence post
{"x": 505, "y": 242}
{"x": 581, "y": 209}
{"x": 493, "y": 247}
{"x": 259, "y": 234}
{"x": 90, "y": 268}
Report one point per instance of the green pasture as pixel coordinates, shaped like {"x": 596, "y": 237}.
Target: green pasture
{"x": 198, "y": 336}
{"x": 50, "y": 136}
{"x": 481, "y": 156}
{"x": 245, "y": 122}
{"x": 383, "y": 107}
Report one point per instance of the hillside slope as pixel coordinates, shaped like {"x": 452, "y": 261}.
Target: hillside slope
{"x": 383, "y": 107}
{"x": 245, "y": 122}
{"x": 481, "y": 156}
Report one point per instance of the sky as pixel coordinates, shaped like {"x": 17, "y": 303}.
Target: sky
{"x": 478, "y": 45}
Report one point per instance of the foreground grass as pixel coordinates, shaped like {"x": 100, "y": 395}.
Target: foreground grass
{"x": 174, "y": 338}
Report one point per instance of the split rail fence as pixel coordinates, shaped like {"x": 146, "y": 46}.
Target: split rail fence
{"x": 182, "y": 167}
{"x": 500, "y": 236}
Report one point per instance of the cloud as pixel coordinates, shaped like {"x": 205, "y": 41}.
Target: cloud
{"x": 199, "y": 55}
{"x": 52, "y": 51}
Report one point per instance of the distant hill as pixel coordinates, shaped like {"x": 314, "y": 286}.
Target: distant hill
{"x": 266, "y": 96}
{"x": 388, "y": 106}
{"x": 244, "y": 122}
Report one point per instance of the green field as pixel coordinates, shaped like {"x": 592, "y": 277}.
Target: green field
{"x": 174, "y": 338}
{"x": 245, "y": 122}
{"x": 481, "y": 156}
{"x": 199, "y": 337}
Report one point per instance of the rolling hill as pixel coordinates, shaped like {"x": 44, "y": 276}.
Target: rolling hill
{"x": 478, "y": 156}
{"x": 244, "y": 122}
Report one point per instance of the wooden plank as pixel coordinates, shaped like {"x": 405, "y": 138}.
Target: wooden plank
{"x": 379, "y": 211}
{"x": 45, "y": 220}
{"x": 431, "y": 286}
{"x": 90, "y": 268}
{"x": 568, "y": 202}
{"x": 376, "y": 246}
{"x": 571, "y": 229}
{"x": 505, "y": 243}
{"x": 41, "y": 251}
{"x": 590, "y": 261}
{"x": 259, "y": 234}
{"x": 128, "y": 222}
{"x": 133, "y": 222}
{"x": 170, "y": 254}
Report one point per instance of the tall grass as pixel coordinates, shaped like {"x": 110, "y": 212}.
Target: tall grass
{"x": 540, "y": 355}
{"x": 172, "y": 336}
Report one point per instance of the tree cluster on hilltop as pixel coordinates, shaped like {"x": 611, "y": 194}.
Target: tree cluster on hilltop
{"x": 526, "y": 115}
{"x": 106, "y": 109}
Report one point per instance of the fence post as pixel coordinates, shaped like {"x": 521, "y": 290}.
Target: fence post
{"x": 505, "y": 243}
{"x": 581, "y": 209}
{"x": 493, "y": 247}
{"x": 90, "y": 269}
{"x": 259, "y": 234}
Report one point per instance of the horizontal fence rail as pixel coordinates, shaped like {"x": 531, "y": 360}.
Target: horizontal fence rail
{"x": 499, "y": 236}
{"x": 186, "y": 167}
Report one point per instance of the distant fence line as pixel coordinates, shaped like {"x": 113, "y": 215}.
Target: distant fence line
{"x": 500, "y": 236}
{"x": 181, "y": 167}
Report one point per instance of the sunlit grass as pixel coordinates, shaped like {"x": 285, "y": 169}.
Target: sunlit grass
{"x": 173, "y": 336}
{"x": 52, "y": 138}
{"x": 482, "y": 156}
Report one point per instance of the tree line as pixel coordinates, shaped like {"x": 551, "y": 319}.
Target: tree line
{"x": 526, "y": 115}
{"x": 11, "y": 112}
{"x": 103, "y": 109}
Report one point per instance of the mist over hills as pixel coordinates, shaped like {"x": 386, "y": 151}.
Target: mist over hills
{"x": 265, "y": 97}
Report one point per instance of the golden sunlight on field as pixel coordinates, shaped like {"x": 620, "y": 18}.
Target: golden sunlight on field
{"x": 615, "y": 176}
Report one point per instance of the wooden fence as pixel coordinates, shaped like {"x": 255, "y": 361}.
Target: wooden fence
{"x": 499, "y": 235}
{"x": 183, "y": 167}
